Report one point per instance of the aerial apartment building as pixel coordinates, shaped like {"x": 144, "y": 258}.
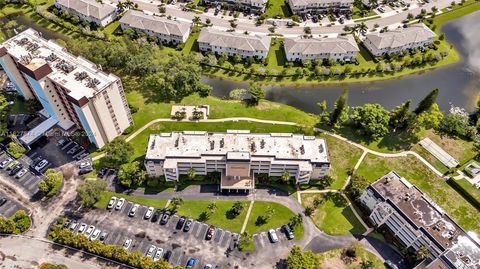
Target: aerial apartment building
{"x": 73, "y": 91}
{"x": 300, "y": 7}
{"x": 231, "y": 43}
{"x": 416, "y": 221}
{"x": 167, "y": 31}
{"x": 89, "y": 10}
{"x": 396, "y": 41}
{"x": 254, "y": 5}
{"x": 340, "y": 49}
{"x": 237, "y": 155}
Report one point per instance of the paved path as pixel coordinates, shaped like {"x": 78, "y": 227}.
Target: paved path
{"x": 245, "y": 222}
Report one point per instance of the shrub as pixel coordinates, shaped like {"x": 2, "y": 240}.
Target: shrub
{"x": 19, "y": 223}
{"x": 15, "y": 150}
{"x": 51, "y": 183}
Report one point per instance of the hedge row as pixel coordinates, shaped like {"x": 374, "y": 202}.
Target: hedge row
{"x": 465, "y": 193}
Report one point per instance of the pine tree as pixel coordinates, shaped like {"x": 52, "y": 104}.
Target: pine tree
{"x": 427, "y": 102}
{"x": 401, "y": 117}
{"x": 340, "y": 110}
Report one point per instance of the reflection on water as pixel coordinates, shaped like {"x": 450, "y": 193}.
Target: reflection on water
{"x": 459, "y": 84}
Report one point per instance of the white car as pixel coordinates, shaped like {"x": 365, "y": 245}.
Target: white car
{"x": 149, "y": 213}
{"x": 133, "y": 210}
{"x": 41, "y": 165}
{"x": 151, "y": 251}
{"x": 158, "y": 254}
{"x": 5, "y": 163}
{"x": 112, "y": 202}
{"x": 84, "y": 165}
{"x": 127, "y": 243}
{"x": 89, "y": 230}
{"x": 273, "y": 235}
{"x": 95, "y": 234}
{"x": 21, "y": 173}
{"x": 120, "y": 203}
{"x": 208, "y": 266}
{"x": 82, "y": 228}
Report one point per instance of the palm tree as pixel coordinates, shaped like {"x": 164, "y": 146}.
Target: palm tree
{"x": 196, "y": 20}
{"x": 176, "y": 202}
{"x": 285, "y": 176}
{"x": 362, "y": 27}
{"x": 212, "y": 207}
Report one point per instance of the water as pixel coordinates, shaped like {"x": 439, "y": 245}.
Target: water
{"x": 459, "y": 84}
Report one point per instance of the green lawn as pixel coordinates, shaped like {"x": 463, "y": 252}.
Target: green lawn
{"x": 19, "y": 107}
{"x": 278, "y": 8}
{"x": 415, "y": 172}
{"x": 280, "y": 217}
{"x": 334, "y": 216}
{"x": 105, "y": 197}
{"x": 191, "y": 44}
{"x": 357, "y": 12}
{"x": 277, "y": 58}
{"x": 194, "y": 209}
{"x": 333, "y": 259}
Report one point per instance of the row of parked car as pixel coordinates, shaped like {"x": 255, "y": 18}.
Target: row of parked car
{"x": 77, "y": 152}
{"x": 90, "y": 232}
{"x": 17, "y": 169}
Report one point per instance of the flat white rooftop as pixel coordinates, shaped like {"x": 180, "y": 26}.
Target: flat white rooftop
{"x": 81, "y": 77}
{"x": 237, "y": 145}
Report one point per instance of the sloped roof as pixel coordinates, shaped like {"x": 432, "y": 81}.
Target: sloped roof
{"x": 89, "y": 8}
{"x": 341, "y": 44}
{"x": 162, "y": 25}
{"x": 311, "y": 2}
{"x": 400, "y": 37}
{"x": 234, "y": 40}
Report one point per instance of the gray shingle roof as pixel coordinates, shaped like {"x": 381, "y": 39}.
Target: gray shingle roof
{"x": 400, "y": 37}
{"x": 162, "y": 25}
{"x": 340, "y": 44}
{"x": 89, "y": 8}
{"x": 296, "y": 3}
{"x": 234, "y": 40}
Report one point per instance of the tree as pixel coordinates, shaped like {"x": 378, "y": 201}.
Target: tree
{"x": 356, "y": 187}
{"x": 325, "y": 182}
{"x": 307, "y": 30}
{"x": 431, "y": 118}
{"x": 401, "y": 117}
{"x": 427, "y": 102}
{"x": 309, "y": 211}
{"x": 117, "y": 152}
{"x": 245, "y": 241}
{"x": 285, "y": 176}
{"x": 299, "y": 259}
{"x": 340, "y": 110}
{"x": 18, "y": 223}
{"x": 50, "y": 184}
{"x": 422, "y": 253}
{"x": 317, "y": 201}
{"x": 212, "y": 207}
{"x": 131, "y": 174}
{"x": 47, "y": 265}
{"x": 362, "y": 27}
{"x": 176, "y": 202}
{"x": 256, "y": 93}
{"x": 366, "y": 264}
{"x": 295, "y": 221}
{"x": 236, "y": 209}
{"x": 90, "y": 191}
{"x": 457, "y": 126}
{"x": 371, "y": 119}
{"x": 191, "y": 174}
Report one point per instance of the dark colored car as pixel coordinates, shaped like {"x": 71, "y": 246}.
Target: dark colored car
{"x": 156, "y": 215}
{"x": 102, "y": 172}
{"x": 188, "y": 225}
{"x": 288, "y": 232}
{"x": 2, "y": 201}
{"x": 16, "y": 169}
{"x": 180, "y": 223}
{"x": 210, "y": 233}
{"x": 66, "y": 223}
{"x": 167, "y": 255}
{"x": 165, "y": 217}
{"x": 85, "y": 170}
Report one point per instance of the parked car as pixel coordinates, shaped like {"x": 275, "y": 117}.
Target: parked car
{"x": 120, "y": 203}
{"x": 85, "y": 170}
{"x": 103, "y": 236}
{"x": 191, "y": 263}
{"x": 128, "y": 242}
{"x": 84, "y": 165}
{"x": 16, "y": 169}
{"x": 95, "y": 234}
{"x": 188, "y": 225}
{"x": 21, "y": 173}
{"x": 210, "y": 233}
{"x": 41, "y": 165}
{"x": 167, "y": 255}
{"x": 66, "y": 223}
{"x": 208, "y": 266}
{"x": 82, "y": 228}
{"x": 133, "y": 210}
{"x": 390, "y": 264}
{"x": 73, "y": 226}
{"x": 288, "y": 232}
{"x": 158, "y": 254}
{"x": 4, "y": 163}
{"x": 3, "y": 201}
{"x": 149, "y": 213}
{"x": 180, "y": 223}
{"x": 151, "y": 251}
{"x": 156, "y": 215}
{"x": 112, "y": 202}
{"x": 381, "y": 9}
{"x": 165, "y": 217}
{"x": 12, "y": 165}
{"x": 89, "y": 230}
{"x": 102, "y": 172}
{"x": 273, "y": 236}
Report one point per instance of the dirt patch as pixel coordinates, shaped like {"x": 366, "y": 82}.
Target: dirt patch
{"x": 333, "y": 263}
{"x": 267, "y": 105}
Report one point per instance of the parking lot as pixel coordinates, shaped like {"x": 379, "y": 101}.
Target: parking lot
{"x": 10, "y": 207}
{"x": 144, "y": 233}
{"x": 29, "y": 182}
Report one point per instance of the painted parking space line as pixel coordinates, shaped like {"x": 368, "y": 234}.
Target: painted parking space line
{"x": 194, "y": 228}
{"x": 257, "y": 239}
{"x": 25, "y": 178}
{"x": 218, "y": 235}
{"x": 10, "y": 209}
{"x": 226, "y": 239}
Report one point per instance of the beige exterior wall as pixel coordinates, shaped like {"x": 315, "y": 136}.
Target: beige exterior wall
{"x": 17, "y": 76}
